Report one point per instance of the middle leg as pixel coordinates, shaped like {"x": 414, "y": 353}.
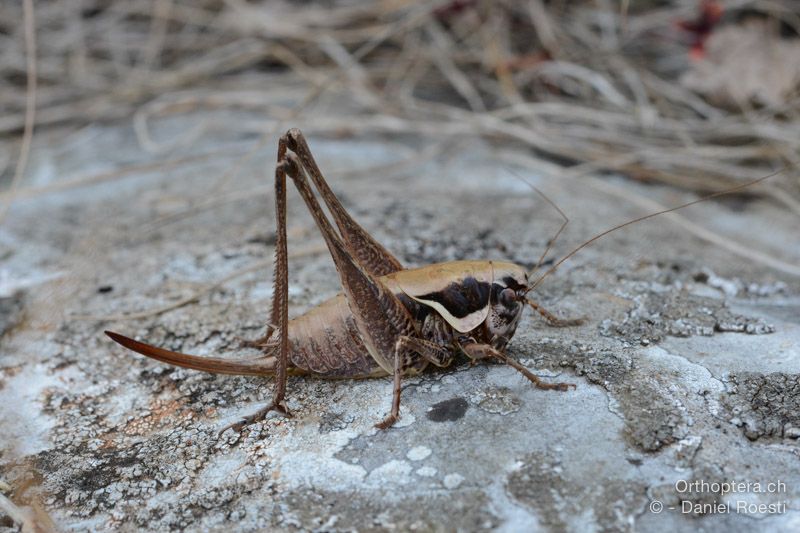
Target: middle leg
{"x": 405, "y": 348}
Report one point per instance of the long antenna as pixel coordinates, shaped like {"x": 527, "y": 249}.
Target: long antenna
{"x": 552, "y": 240}
{"x": 651, "y": 215}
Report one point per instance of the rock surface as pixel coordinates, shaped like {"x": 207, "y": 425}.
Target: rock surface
{"x": 686, "y": 369}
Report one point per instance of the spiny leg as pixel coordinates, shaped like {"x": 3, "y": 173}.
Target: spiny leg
{"x": 280, "y": 302}
{"x": 371, "y": 255}
{"x": 379, "y": 315}
{"x": 482, "y": 351}
{"x": 553, "y": 320}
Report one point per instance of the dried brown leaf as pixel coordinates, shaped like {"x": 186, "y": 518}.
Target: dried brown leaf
{"x": 747, "y": 64}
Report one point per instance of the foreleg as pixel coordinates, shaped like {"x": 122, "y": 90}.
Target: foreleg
{"x": 477, "y": 351}
{"x": 553, "y": 320}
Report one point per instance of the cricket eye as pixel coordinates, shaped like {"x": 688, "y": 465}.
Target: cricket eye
{"x": 508, "y": 297}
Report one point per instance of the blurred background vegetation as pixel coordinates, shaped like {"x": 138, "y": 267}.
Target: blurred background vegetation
{"x": 700, "y": 94}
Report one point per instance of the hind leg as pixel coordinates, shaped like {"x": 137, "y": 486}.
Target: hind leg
{"x": 380, "y": 317}
{"x": 369, "y": 253}
{"x": 279, "y": 316}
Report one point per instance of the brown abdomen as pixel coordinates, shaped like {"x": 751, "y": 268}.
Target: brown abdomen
{"x": 325, "y": 342}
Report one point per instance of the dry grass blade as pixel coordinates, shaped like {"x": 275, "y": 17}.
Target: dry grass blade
{"x": 30, "y": 106}
{"x": 588, "y": 82}
{"x": 745, "y": 252}
{"x": 120, "y": 173}
{"x": 697, "y": 230}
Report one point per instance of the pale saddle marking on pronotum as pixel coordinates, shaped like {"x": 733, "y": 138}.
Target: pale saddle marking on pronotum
{"x": 388, "y": 320}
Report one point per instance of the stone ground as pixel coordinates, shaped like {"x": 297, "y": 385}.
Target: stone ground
{"x": 686, "y": 369}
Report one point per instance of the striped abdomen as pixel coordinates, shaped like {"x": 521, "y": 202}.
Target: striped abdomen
{"x": 325, "y": 341}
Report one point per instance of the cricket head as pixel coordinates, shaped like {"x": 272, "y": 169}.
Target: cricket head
{"x": 507, "y": 299}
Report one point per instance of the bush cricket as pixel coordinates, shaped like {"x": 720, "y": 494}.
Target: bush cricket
{"x": 388, "y": 320}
